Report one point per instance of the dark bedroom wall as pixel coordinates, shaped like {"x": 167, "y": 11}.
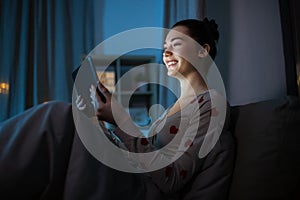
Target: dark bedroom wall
{"x": 123, "y": 15}
{"x": 250, "y": 56}
{"x": 119, "y": 16}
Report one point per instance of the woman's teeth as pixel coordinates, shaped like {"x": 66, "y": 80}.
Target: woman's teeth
{"x": 171, "y": 63}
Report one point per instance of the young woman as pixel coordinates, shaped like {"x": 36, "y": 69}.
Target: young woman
{"x": 180, "y": 172}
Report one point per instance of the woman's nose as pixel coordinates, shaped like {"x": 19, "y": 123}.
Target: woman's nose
{"x": 167, "y": 53}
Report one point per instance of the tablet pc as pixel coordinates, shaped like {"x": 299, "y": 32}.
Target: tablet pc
{"x": 84, "y": 76}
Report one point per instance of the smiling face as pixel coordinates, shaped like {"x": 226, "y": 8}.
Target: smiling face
{"x": 178, "y": 49}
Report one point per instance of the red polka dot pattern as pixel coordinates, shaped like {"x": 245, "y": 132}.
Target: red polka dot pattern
{"x": 168, "y": 171}
{"x": 201, "y": 99}
{"x": 173, "y": 129}
{"x": 144, "y": 141}
{"x": 188, "y": 143}
{"x": 183, "y": 173}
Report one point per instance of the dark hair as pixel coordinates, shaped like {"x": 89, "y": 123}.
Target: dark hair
{"x": 204, "y": 32}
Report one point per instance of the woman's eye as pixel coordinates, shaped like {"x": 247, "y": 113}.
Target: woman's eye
{"x": 176, "y": 44}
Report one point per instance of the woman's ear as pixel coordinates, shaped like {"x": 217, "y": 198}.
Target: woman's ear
{"x": 204, "y": 51}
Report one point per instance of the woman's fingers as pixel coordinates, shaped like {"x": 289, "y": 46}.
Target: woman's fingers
{"x": 103, "y": 110}
{"x": 104, "y": 90}
{"x": 80, "y": 103}
{"x": 77, "y": 99}
{"x": 96, "y": 100}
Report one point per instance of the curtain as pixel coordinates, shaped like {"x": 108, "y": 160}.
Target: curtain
{"x": 41, "y": 43}
{"x": 176, "y": 10}
{"x": 290, "y": 19}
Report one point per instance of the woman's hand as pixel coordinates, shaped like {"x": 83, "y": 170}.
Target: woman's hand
{"x": 80, "y": 103}
{"x": 110, "y": 111}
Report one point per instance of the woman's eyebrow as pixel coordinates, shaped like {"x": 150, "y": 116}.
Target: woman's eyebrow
{"x": 175, "y": 38}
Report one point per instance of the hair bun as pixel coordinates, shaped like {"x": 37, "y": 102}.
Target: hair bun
{"x": 213, "y": 26}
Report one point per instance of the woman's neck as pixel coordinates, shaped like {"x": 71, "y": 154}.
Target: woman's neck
{"x": 192, "y": 85}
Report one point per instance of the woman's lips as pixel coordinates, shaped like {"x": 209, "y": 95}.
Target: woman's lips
{"x": 171, "y": 63}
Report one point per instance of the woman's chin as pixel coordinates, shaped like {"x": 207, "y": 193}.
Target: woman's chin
{"x": 173, "y": 74}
